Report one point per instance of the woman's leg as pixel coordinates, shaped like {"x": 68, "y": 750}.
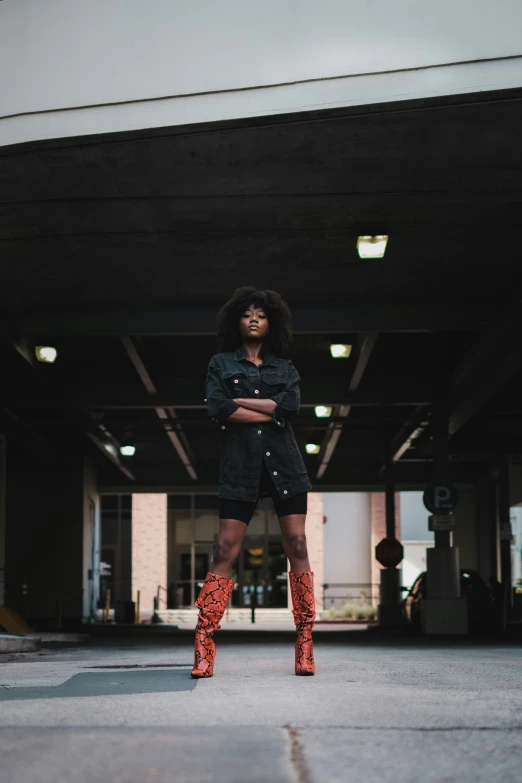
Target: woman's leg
{"x": 227, "y": 546}
{"x": 302, "y": 589}
{"x": 294, "y": 542}
{"x": 215, "y": 594}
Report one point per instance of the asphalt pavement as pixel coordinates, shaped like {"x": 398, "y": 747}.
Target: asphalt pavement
{"x": 380, "y": 708}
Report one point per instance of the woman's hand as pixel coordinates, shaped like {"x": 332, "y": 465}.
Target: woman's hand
{"x": 261, "y": 406}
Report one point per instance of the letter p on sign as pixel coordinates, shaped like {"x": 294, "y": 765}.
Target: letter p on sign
{"x": 441, "y": 497}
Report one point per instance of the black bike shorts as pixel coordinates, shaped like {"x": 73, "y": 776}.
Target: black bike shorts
{"x": 244, "y": 509}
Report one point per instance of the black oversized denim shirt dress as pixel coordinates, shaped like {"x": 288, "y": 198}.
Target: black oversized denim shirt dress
{"x": 245, "y": 446}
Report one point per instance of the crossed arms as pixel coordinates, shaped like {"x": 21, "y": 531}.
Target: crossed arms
{"x": 245, "y": 410}
{"x": 252, "y": 411}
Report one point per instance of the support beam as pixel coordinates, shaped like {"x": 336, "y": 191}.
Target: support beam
{"x": 184, "y": 320}
{"x": 412, "y": 430}
{"x": 119, "y": 396}
{"x": 333, "y": 433}
{"x": 111, "y": 455}
{"x": 492, "y": 382}
{"x": 481, "y": 374}
{"x": 174, "y": 432}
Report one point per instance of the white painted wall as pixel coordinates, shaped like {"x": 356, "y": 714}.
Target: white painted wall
{"x": 414, "y": 561}
{"x": 65, "y": 54}
{"x": 346, "y": 541}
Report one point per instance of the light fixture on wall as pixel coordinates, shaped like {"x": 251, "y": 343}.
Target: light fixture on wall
{"x": 372, "y": 247}
{"x": 45, "y": 353}
{"x": 323, "y": 411}
{"x": 340, "y": 350}
{"x": 128, "y": 451}
{"x": 312, "y": 448}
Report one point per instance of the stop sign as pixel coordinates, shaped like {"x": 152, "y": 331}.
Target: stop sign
{"x": 389, "y": 552}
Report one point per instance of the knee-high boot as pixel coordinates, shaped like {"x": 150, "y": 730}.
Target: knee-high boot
{"x": 212, "y": 601}
{"x": 302, "y": 589}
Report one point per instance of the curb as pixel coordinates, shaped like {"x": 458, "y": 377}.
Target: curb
{"x": 50, "y": 637}
{"x": 11, "y": 643}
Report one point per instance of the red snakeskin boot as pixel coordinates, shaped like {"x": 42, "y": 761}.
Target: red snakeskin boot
{"x": 302, "y": 588}
{"x": 212, "y": 601}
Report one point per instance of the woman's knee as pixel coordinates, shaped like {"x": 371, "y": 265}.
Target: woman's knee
{"x": 295, "y": 546}
{"x": 226, "y": 549}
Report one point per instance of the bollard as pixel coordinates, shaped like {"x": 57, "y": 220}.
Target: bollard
{"x": 107, "y": 605}
{"x": 138, "y": 596}
{"x": 253, "y": 604}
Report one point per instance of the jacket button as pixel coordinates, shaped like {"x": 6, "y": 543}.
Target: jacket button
{"x": 267, "y": 453}
{"x": 236, "y": 380}
{"x": 275, "y": 472}
{"x": 285, "y": 492}
{"x": 259, "y": 432}
{"x": 223, "y": 427}
{"x": 256, "y": 391}
{"x": 205, "y": 399}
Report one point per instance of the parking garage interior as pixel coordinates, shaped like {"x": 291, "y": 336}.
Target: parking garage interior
{"x": 118, "y": 250}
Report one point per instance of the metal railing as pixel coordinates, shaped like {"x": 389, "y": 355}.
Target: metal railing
{"x": 355, "y": 592}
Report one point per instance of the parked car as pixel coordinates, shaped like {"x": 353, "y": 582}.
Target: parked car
{"x": 482, "y": 608}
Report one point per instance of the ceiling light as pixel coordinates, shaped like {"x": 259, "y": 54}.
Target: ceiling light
{"x": 372, "y": 247}
{"x": 46, "y": 353}
{"x": 339, "y": 351}
{"x": 323, "y": 411}
{"x": 128, "y": 451}
{"x": 312, "y": 448}
{"x": 110, "y": 447}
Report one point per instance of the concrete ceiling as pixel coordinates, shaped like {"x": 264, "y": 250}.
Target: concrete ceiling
{"x": 147, "y": 234}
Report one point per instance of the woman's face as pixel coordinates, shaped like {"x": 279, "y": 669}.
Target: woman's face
{"x": 253, "y": 323}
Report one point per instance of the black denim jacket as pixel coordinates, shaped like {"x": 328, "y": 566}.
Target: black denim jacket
{"x": 244, "y": 446}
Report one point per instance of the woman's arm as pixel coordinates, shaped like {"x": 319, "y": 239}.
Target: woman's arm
{"x": 244, "y": 416}
{"x": 261, "y": 406}
{"x": 219, "y": 405}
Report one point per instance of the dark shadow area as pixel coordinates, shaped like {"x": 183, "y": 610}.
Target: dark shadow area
{"x": 106, "y": 684}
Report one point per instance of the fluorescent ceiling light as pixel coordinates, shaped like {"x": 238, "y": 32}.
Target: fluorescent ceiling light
{"x": 372, "y": 247}
{"x": 340, "y": 351}
{"x": 312, "y": 448}
{"x": 46, "y": 353}
{"x": 323, "y": 411}
{"x": 128, "y": 451}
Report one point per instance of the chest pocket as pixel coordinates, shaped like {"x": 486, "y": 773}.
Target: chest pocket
{"x": 273, "y": 382}
{"x": 236, "y": 383}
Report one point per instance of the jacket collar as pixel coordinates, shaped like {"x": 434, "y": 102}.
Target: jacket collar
{"x": 268, "y": 356}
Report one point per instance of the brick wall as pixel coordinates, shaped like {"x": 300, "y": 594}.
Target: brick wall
{"x": 149, "y": 547}
{"x": 378, "y": 532}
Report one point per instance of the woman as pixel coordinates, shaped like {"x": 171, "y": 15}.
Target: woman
{"x": 253, "y": 392}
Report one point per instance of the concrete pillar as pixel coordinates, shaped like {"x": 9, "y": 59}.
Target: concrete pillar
{"x": 444, "y": 611}
{"x": 3, "y": 456}
{"x": 149, "y": 548}
{"x": 504, "y": 519}
{"x": 390, "y": 613}
{"x": 45, "y": 541}
{"x": 481, "y": 502}
{"x": 91, "y": 544}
